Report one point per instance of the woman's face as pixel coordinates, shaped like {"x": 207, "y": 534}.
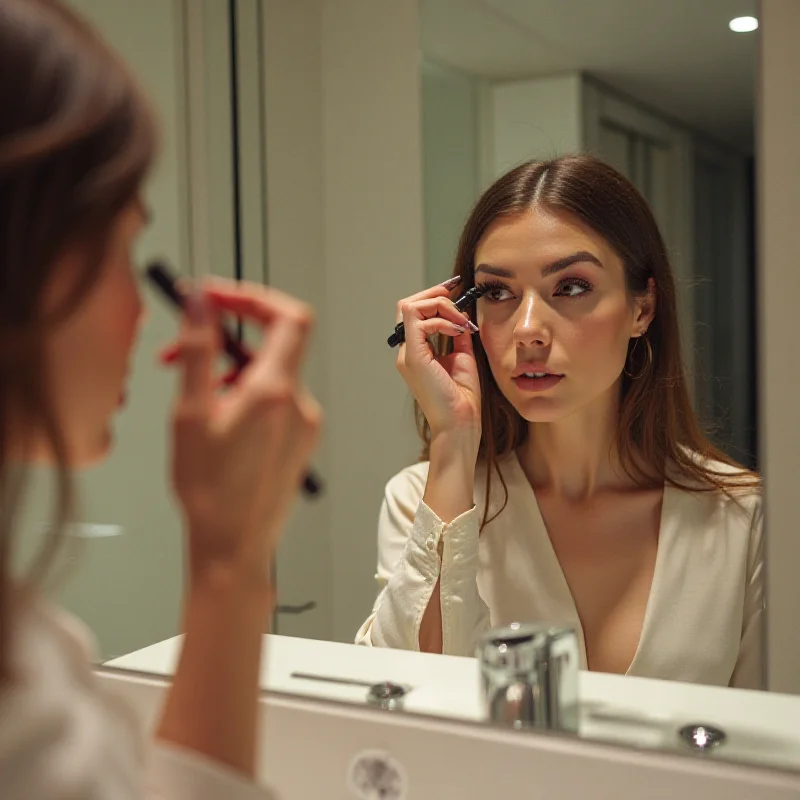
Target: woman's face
{"x": 88, "y": 355}
{"x": 557, "y": 319}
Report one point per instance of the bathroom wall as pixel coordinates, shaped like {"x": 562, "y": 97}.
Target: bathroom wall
{"x": 345, "y": 233}
{"x": 450, "y": 161}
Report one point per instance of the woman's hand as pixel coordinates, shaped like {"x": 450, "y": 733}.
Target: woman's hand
{"x": 448, "y": 391}
{"x": 239, "y": 456}
{"x": 447, "y": 388}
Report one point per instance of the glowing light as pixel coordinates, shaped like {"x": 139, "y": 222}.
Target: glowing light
{"x": 743, "y": 24}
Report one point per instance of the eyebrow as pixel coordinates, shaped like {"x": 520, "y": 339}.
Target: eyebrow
{"x": 582, "y": 256}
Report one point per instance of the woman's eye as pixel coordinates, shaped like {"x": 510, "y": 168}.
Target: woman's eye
{"x": 573, "y": 288}
{"x": 497, "y": 294}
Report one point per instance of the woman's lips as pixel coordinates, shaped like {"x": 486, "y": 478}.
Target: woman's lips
{"x": 537, "y": 384}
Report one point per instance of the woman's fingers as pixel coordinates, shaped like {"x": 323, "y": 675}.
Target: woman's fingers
{"x": 169, "y": 354}
{"x": 271, "y": 377}
{"x": 228, "y": 378}
{"x": 440, "y": 290}
{"x": 261, "y": 304}
{"x": 463, "y": 344}
{"x": 461, "y": 336}
{"x": 288, "y": 321}
{"x": 281, "y": 354}
{"x": 196, "y": 351}
{"x": 275, "y": 365}
{"x": 429, "y": 327}
{"x": 311, "y": 412}
{"x": 415, "y": 314}
{"x": 269, "y": 385}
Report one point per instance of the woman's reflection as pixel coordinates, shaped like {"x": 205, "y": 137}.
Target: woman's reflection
{"x": 565, "y": 477}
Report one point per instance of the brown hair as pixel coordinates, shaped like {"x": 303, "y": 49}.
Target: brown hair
{"x": 658, "y": 437}
{"x": 77, "y": 139}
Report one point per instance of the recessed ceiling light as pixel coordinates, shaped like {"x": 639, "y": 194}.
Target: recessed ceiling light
{"x": 743, "y": 24}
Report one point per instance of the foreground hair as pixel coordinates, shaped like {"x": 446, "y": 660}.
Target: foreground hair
{"x": 77, "y": 139}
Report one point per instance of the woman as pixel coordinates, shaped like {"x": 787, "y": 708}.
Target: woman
{"x": 565, "y": 478}
{"x": 76, "y": 142}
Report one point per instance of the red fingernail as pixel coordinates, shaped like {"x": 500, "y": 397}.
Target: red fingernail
{"x": 451, "y": 283}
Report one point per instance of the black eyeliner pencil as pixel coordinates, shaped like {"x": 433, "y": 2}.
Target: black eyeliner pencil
{"x": 160, "y": 276}
{"x": 462, "y": 304}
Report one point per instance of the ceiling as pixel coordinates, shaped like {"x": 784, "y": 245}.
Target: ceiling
{"x": 677, "y": 56}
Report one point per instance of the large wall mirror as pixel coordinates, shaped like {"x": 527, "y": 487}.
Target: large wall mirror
{"x": 337, "y": 151}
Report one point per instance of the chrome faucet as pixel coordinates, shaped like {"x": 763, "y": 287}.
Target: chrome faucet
{"x": 530, "y": 676}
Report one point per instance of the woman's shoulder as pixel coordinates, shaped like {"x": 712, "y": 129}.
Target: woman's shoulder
{"x": 58, "y": 714}
{"x": 732, "y": 474}
{"x": 727, "y": 487}
{"x": 409, "y": 482}
{"x": 40, "y": 626}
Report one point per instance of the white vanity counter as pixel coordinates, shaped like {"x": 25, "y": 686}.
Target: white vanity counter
{"x": 761, "y": 727}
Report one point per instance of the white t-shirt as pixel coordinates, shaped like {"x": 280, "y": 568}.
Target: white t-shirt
{"x": 64, "y": 736}
{"x": 704, "y": 614}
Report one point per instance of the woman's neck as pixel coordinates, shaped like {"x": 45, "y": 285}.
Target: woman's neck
{"x": 577, "y": 456}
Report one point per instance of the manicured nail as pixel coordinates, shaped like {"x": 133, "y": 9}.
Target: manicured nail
{"x": 472, "y": 326}
{"x": 196, "y": 307}
{"x": 459, "y": 329}
{"x": 451, "y": 283}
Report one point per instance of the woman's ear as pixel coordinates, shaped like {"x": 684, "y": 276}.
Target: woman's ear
{"x": 645, "y": 308}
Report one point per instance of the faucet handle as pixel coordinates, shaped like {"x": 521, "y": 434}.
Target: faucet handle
{"x": 529, "y": 675}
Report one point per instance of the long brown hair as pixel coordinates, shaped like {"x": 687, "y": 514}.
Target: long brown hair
{"x": 77, "y": 139}
{"x": 658, "y": 436}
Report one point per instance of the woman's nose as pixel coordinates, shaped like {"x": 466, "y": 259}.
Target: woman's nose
{"x": 531, "y": 328}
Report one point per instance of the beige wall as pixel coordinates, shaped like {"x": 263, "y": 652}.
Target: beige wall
{"x": 450, "y": 162}
{"x": 372, "y": 190}
{"x": 539, "y": 118}
{"x": 779, "y": 213}
{"x": 296, "y": 264}
{"x": 344, "y": 218}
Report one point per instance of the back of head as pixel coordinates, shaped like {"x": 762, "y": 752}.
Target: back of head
{"x": 77, "y": 139}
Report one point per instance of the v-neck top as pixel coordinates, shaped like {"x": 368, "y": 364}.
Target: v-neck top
{"x": 704, "y": 614}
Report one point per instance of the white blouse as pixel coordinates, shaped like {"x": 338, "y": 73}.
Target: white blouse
{"x": 703, "y": 618}
{"x": 64, "y": 736}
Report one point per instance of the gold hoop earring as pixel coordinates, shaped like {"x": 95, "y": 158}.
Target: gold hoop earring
{"x": 648, "y": 359}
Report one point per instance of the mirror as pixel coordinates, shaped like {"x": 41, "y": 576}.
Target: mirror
{"x": 337, "y": 154}
{"x": 504, "y": 82}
